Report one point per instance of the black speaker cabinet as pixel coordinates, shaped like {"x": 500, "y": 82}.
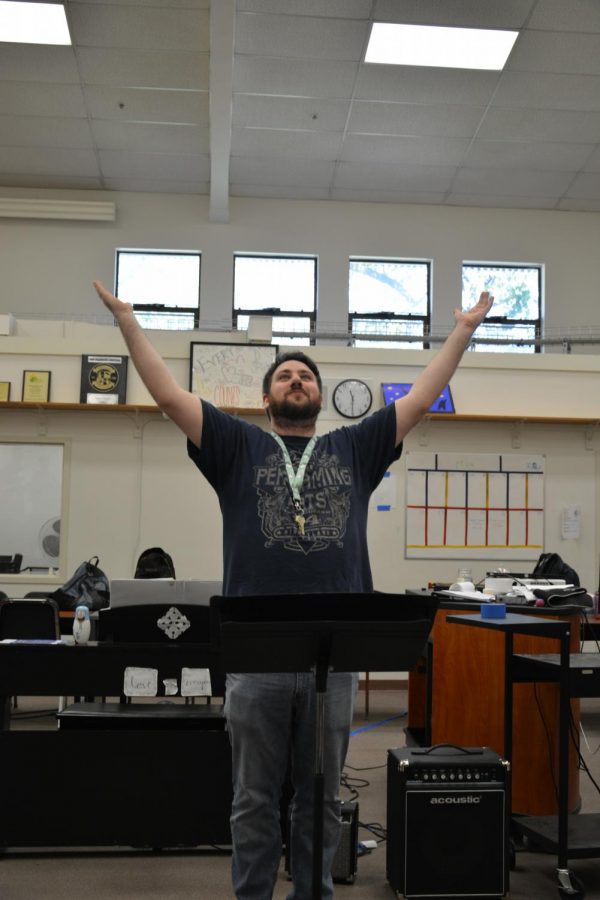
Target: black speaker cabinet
{"x": 343, "y": 870}
{"x": 448, "y": 822}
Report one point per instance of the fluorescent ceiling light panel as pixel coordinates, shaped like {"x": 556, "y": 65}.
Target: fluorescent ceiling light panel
{"x": 430, "y": 45}
{"x": 33, "y": 23}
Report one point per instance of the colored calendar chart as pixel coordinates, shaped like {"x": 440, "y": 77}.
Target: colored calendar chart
{"x": 481, "y": 505}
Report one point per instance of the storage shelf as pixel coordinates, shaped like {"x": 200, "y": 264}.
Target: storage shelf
{"x": 236, "y": 411}
{"x": 108, "y": 407}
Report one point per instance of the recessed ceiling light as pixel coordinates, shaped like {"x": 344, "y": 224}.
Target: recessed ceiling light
{"x": 33, "y": 23}
{"x": 430, "y": 45}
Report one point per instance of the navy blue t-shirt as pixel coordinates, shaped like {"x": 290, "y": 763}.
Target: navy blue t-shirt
{"x": 263, "y": 552}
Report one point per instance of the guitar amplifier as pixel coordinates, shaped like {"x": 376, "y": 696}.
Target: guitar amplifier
{"x": 448, "y": 822}
{"x": 343, "y": 869}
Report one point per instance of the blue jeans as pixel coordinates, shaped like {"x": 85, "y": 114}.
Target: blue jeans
{"x": 271, "y": 721}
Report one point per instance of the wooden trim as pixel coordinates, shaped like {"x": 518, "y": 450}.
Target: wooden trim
{"x": 151, "y": 408}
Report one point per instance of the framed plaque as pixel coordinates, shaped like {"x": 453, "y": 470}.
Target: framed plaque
{"x": 36, "y": 386}
{"x": 4, "y": 391}
{"x": 230, "y": 375}
{"x": 103, "y": 379}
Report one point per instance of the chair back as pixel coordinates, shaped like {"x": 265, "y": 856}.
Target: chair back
{"x": 29, "y": 620}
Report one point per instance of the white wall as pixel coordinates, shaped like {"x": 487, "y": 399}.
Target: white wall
{"x": 47, "y": 266}
{"x": 130, "y": 483}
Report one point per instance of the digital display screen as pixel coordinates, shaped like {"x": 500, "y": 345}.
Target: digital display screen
{"x": 443, "y": 404}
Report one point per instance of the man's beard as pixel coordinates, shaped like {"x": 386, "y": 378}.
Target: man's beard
{"x": 285, "y": 412}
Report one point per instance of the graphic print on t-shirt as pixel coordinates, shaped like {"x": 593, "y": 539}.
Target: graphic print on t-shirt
{"x": 325, "y": 493}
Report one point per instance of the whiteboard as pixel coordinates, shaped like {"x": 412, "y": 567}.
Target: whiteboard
{"x": 475, "y": 505}
{"x": 31, "y": 480}
{"x": 230, "y": 375}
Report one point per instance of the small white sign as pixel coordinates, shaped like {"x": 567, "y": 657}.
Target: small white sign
{"x": 570, "y": 523}
{"x": 195, "y": 683}
{"x": 138, "y": 682}
{"x": 170, "y": 686}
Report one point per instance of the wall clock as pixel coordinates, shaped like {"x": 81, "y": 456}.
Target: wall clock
{"x": 352, "y": 398}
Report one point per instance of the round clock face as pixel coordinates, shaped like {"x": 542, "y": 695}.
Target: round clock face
{"x": 352, "y": 398}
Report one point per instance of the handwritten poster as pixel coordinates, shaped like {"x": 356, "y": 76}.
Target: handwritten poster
{"x": 230, "y": 375}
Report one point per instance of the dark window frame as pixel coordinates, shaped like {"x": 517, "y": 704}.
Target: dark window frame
{"x": 508, "y": 321}
{"x": 273, "y": 311}
{"x": 162, "y": 308}
{"x": 388, "y": 316}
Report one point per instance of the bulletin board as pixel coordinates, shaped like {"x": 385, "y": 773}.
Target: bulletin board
{"x": 480, "y": 505}
{"x": 230, "y": 375}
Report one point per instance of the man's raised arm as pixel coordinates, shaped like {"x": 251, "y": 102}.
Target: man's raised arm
{"x": 178, "y": 404}
{"x": 411, "y": 408}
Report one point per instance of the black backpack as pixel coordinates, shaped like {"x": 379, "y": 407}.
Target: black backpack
{"x": 87, "y": 586}
{"x": 551, "y": 565}
{"x": 154, "y": 563}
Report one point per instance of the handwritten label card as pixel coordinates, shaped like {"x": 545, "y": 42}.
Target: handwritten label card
{"x": 138, "y": 682}
{"x": 195, "y": 683}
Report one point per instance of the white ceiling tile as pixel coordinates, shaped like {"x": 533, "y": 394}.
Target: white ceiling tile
{"x": 523, "y": 183}
{"x": 38, "y": 62}
{"x": 121, "y": 164}
{"x": 540, "y": 125}
{"x": 278, "y": 192}
{"x": 418, "y": 84}
{"x": 396, "y": 177}
{"x": 549, "y": 51}
{"x": 586, "y": 185}
{"x": 60, "y": 182}
{"x": 592, "y": 164}
{"x": 548, "y": 91}
{"x": 47, "y": 161}
{"x": 271, "y": 142}
{"x": 528, "y": 155}
{"x": 23, "y": 98}
{"x": 459, "y": 13}
{"x": 279, "y": 112}
{"x": 147, "y": 105}
{"x": 292, "y": 172}
{"x": 299, "y": 36}
{"x": 579, "y": 204}
{"x": 416, "y": 150}
{"x": 509, "y": 201}
{"x": 294, "y": 77}
{"x": 346, "y": 9}
{"x": 156, "y": 186}
{"x": 168, "y": 4}
{"x": 413, "y": 119}
{"x": 44, "y": 131}
{"x": 560, "y": 15}
{"x": 107, "y": 25}
{"x": 144, "y": 68}
{"x": 150, "y": 138}
{"x": 357, "y": 195}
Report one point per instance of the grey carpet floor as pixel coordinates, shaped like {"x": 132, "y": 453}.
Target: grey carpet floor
{"x": 130, "y": 875}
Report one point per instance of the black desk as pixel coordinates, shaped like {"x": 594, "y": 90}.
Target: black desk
{"x": 141, "y": 787}
{"x": 578, "y": 675}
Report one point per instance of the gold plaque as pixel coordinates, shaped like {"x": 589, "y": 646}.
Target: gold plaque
{"x": 36, "y": 386}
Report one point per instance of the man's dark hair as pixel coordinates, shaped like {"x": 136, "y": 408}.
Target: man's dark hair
{"x": 291, "y": 355}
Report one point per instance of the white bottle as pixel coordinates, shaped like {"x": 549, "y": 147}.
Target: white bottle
{"x": 82, "y": 625}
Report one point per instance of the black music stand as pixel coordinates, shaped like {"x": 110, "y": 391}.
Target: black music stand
{"x": 321, "y": 633}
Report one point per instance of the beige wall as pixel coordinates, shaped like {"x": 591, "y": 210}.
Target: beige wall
{"x": 130, "y": 483}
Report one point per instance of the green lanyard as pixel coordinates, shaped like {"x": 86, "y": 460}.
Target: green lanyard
{"x": 296, "y": 478}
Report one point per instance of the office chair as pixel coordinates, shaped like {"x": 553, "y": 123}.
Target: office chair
{"x": 29, "y": 620}
{"x": 11, "y": 564}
